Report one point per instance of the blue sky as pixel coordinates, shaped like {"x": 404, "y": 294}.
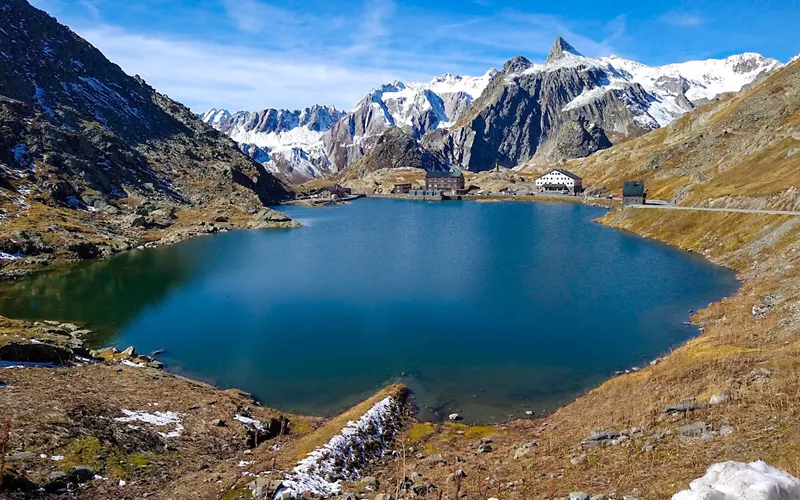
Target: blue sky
{"x": 252, "y": 54}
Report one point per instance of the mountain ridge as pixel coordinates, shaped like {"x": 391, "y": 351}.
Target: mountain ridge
{"x": 84, "y": 145}
{"x": 611, "y": 99}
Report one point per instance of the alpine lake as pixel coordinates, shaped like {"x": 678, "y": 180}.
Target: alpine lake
{"x": 490, "y": 310}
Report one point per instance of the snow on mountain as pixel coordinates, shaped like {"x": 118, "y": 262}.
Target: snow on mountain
{"x": 320, "y": 140}
{"x": 288, "y": 143}
{"x": 674, "y": 88}
{"x": 697, "y": 80}
{"x": 425, "y": 106}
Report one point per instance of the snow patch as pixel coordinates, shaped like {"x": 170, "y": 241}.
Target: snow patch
{"x": 156, "y": 419}
{"x": 26, "y": 364}
{"x": 251, "y": 421}
{"x": 740, "y": 481}
{"x": 375, "y": 428}
{"x": 128, "y": 362}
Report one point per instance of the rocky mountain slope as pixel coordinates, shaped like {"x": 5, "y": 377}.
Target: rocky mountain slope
{"x": 742, "y": 151}
{"x": 288, "y": 143}
{"x": 92, "y": 159}
{"x": 567, "y": 107}
{"x": 396, "y": 148}
{"x": 299, "y": 153}
{"x": 572, "y": 106}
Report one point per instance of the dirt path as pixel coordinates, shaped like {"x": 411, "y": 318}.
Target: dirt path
{"x": 731, "y": 210}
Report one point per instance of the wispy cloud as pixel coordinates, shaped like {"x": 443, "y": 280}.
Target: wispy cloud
{"x": 682, "y": 19}
{"x": 206, "y": 75}
{"x": 373, "y": 32}
{"x": 255, "y": 16}
{"x": 269, "y": 56}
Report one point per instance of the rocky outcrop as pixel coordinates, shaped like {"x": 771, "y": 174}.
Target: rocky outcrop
{"x": 84, "y": 144}
{"x": 416, "y": 108}
{"x": 395, "y": 149}
{"x": 569, "y": 107}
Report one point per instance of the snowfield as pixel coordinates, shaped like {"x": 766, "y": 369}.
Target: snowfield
{"x": 313, "y": 474}
{"x": 740, "y": 481}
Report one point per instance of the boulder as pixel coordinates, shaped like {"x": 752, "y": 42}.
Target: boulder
{"x": 85, "y": 250}
{"x": 485, "y": 448}
{"x": 370, "y": 482}
{"x": 129, "y": 352}
{"x": 35, "y": 353}
{"x": 696, "y": 429}
{"x": 686, "y": 407}
{"x": 269, "y": 218}
{"x": 436, "y": 459}
{"x": 81, "y": 474}
{"x": 56, "y": 480}
{"x": 21, "y": 456}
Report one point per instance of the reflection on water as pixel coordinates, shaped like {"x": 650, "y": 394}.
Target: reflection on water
{"x": 485, "y": 309}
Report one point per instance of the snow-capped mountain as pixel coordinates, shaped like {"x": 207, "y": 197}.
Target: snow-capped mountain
{"x": 570, "y": 105}
{"x": 417, "y": 108}
{"x": 287, "y": 143}
{"x": 697, "y": 80}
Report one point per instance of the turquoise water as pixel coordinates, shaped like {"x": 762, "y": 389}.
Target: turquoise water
{"x": 488, "y": 309}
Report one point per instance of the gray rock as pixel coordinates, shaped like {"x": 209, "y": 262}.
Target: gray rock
{"x": 485, "y": 448}
{"x": 578, "y": 495}
{"x": 648, "y": 448}
{"x": 686, "y": 407}
{"x": 580, "y": 459}
{"x": 56, "y": 480}
{"x": 21, "y": 456}
{"x": 726, "y": 430}
{"x": 696, "y": 429}
{"x": 370, "y": 482}
{"x": 81, "y": 474}
{"x": 599, "y": 497}
{"x": 435, "y": 459}
{"x": 129, "y": 352}
{"x": 601, "y": 437}
{"x": 384, "y": 496}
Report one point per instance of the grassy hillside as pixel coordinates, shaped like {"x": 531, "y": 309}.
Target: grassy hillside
{"x": 738, "y": 151}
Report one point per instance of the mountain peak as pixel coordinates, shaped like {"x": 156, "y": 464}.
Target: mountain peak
{"x": 560, "y": 48}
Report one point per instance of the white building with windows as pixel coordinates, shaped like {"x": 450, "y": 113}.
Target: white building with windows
{"x": 560, "y": 181}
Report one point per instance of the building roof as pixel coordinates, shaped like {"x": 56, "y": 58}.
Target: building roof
{"x": 633, "y": 188}
{"x": 564, "y": 172}
{"x": 432, "y": 175}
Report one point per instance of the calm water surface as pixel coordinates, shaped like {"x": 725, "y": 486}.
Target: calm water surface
{"x": 489, "y": 309}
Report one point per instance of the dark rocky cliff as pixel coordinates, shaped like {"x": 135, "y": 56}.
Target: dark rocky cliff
{"x": 81, "y": 136}
{"x": 534, "y": 111}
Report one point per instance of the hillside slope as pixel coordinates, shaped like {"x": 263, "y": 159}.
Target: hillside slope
{"x": 92, "y": 159}
{"x": 739, "y": 151}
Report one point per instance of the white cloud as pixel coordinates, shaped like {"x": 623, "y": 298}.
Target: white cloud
{"x": 682, "y": 19}
{"x": 254, "y": 16}
{"x": 262, "y": 56}
{"x": 206, "y": 75}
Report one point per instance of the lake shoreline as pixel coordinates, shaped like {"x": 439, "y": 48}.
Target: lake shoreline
{"x": 576, "y": 418}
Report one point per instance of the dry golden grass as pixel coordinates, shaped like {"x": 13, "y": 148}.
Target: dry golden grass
{"x": 764, "y": 412}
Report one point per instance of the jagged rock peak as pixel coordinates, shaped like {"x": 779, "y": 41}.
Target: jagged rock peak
{"x": 517, "y": 64}
{"x": 560, "y": 48}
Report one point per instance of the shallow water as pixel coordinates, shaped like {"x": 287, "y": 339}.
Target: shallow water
{"x": 488, "y": 309}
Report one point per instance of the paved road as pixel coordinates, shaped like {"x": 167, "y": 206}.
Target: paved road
{"x": 734, "y": 210}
